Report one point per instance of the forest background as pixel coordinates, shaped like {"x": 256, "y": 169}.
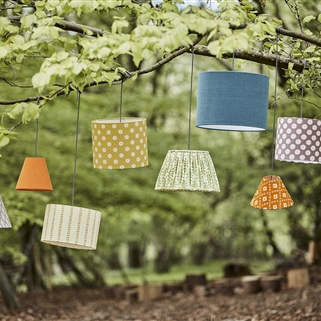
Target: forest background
{"x": 141, "y": 227}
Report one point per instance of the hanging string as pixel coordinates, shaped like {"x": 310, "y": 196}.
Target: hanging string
{"x": 190, "y": 102}
{"x": 302, "y": 88}
{"x": 233, "y": 61}
{"x": 121, "y": 101}
{"x": 76, "y": 149}
{"x": 37, "y": 131}
{"x": 274, "y": 103}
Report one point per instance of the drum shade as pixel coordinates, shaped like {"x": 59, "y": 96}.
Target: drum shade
{"x": 34, "y": 176}
{"x": 233, "y": 101}
{"x": 4, "y": 218}
{"x": 187, "y": 170}
{"x": 71, "y": 226}
{"x": 119, "y": 144}
{"x": 271, "y": 194}
{"x": 298, "y": 140}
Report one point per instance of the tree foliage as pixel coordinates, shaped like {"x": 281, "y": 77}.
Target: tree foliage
{"x": 50, "y": 49}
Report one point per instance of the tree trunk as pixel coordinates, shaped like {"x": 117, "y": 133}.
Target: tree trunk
{"x": 162, "y": 262}
{"x": 63, "y": 256}
{"x": 30, "y": 268}
{"x": 134, "y": 255}
{"x": 270, "y": 236}
{"x": 9, "y": 296}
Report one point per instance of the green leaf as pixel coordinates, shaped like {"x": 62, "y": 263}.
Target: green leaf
{"x": 4, "y": 140}
{"x": 31, "y": 112}
{"x": 3, "y": 52}
{"x": 308, "y": 18}
{"x": 40, "y": 80}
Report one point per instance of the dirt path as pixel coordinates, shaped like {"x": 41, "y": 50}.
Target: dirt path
{"x": 92, "y": 305}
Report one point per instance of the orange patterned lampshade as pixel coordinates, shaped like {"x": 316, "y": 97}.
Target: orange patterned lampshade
{"x": 71, "y": 226}
{"x": 271, "y": 194}
{"x": 119, "y": 144}
{"x": 34, "y": 176}
{"x": 4, "y": 219}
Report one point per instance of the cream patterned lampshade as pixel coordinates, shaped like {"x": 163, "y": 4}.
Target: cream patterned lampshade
{"x": 71, "y": 226}
{"x": 4, "y": 218}
{"x": 187, "y": 170}
{"x": 298, "y": 140}
{"x": 271, "y": 194}
{"x": 119, "y": 144}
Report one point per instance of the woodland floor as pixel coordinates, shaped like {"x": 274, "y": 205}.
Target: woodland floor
{"x": 92, "y": 305}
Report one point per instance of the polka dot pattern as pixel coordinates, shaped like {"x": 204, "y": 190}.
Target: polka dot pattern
{"x": 298, "y": 140}
{"x": 119, "y": 145}
{"x": 271, "y": 194}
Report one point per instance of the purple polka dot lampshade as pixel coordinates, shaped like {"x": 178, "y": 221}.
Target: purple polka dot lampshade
{"x": 298, "y": 140}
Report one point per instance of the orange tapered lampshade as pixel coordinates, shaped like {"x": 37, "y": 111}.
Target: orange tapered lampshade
{"x": 34, "y": 176}
{"x": 271, "y": 194}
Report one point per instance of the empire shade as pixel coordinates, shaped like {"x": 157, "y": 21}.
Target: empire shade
{"x": 34, "y": 176}
{"x": 298, "y": 140}
{"x": 119, "y": 144}
{"x": 232, "y": 101}
{"x": 271, "y": 194}
{"x": 4, "y": 218}
{"x": 71, "y": 226}
{"x": 187, "y": 170}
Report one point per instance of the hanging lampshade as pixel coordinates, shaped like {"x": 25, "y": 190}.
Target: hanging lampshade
{"x": 119, "y": 144}
{"x": 234, "y": 101}
{"x": 271, "y": 194}
{"x": 34, "y": 176}
{"x": 187, "y": 170}
{"x": 298, "y": 140}
{"x": 71, "y": 226}
{"x": 4, "y": 218}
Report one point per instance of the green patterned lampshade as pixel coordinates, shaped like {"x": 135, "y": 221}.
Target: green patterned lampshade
{"x": 187, "y": 170}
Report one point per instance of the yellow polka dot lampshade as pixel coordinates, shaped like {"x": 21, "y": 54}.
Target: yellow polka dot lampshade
{"x": 119, "y": 144}
{"x": 189, "y": 171}
{"x": 271, "y": 194}
{"x": 298, "y": 140}
{"x": 71, "y": 226}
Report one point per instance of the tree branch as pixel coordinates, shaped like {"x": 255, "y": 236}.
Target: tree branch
{"x": 253, "y": 55}
{"x": 256, "y": 56}
{"x": 70, "y": 26}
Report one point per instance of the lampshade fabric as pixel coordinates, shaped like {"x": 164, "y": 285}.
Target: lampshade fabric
{"x": 71, "y": 226}
{"x": 271, "y": 194}
{"x": 34, "y": 175}
{"x": 298, "y": 140}
{"x": 187, "y": 170}
{"x": 233, "y": 101}
{"x": 4, "y": 218}
{"x": 119, "y": 144}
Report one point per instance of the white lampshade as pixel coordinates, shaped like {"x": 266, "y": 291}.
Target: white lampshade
{"x": 71, "y": 226}
{"x": 4, "y": 218}
{"x": 298, "y": 140}
{"x": 187, "y": 170}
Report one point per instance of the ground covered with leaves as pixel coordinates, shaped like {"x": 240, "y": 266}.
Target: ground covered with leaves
{"x": 92, "y": 305}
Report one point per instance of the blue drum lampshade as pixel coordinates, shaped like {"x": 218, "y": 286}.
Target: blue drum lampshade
{"x": 232, "y": 101}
